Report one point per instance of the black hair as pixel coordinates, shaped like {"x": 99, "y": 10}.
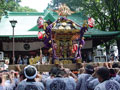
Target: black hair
{"x": 104, "y": 73}
{"x": 60, "y": 73}
{"x": 53, "y": 71}
{"x": 112, "y": 73}
{"x": 21, "y": 73}
{"x": 115, "y": 65}
{"x": 30, "y": 71}
{"x": 89, "y": 69}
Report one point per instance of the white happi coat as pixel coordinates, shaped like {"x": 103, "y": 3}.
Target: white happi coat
{"x": 81, "y": 84}
{"x": 92, "y": 82}
{"x": 108, "y": 85}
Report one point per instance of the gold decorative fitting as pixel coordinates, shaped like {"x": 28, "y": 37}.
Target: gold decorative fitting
{"x": 85, "y": 24}
{"x": 63, "y": 10}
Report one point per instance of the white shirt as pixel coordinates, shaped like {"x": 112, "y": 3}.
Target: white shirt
{"x": 5, "y": 66}
{"x": 44, "y": 59}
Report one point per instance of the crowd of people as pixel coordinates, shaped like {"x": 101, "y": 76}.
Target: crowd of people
{"x": 27, "y": 59}
{"x": 90, "y": 77}
{"x": 47, "y": 59}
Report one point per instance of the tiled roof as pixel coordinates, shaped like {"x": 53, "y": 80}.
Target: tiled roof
{"x": 27, "y": 24}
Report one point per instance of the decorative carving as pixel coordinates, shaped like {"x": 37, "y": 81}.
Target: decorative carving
{"x": 64, "y": 10}
{"x": 26, "y": 46}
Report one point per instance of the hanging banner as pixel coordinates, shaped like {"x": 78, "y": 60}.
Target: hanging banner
{"x": 21, "y": 46}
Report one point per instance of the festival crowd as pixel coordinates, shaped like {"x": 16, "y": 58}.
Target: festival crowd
{"x": 90, "y": 77}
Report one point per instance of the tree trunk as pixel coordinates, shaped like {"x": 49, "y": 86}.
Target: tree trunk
{"x": 118, "y": 45}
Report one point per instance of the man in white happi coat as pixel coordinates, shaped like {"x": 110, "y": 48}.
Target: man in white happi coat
{"x": 82, "y": 84}
{"x": 106, "y": 83}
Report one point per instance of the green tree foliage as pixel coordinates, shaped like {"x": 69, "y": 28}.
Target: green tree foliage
{"x": 25, "y": 9}
{"x": 11, "y": 5}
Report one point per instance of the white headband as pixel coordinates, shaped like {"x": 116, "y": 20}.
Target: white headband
{"x": 30, "y": 77}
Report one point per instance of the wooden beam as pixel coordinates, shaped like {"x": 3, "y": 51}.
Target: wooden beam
{"x": 46, "y": 68}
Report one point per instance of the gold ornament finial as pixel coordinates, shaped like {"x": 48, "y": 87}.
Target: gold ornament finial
{"x": 63, "y": 10}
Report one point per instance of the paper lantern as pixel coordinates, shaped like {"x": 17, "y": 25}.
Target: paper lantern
{"x": 40, "y": 22}
{"x": 91, "y": 22}
{"x": 40, "y": 35}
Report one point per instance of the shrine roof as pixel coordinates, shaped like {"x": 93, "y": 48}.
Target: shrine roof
{"x": 95, "y": 32}
{"x": 25, "y": 13}
{"x": 27, "y": 24}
